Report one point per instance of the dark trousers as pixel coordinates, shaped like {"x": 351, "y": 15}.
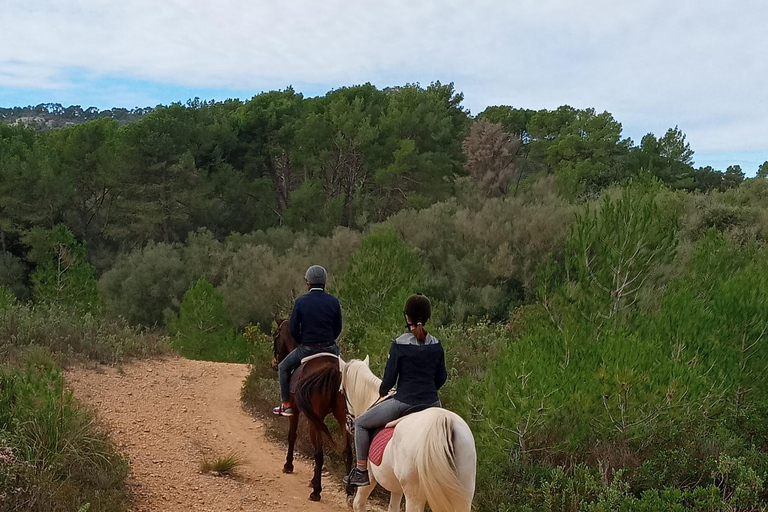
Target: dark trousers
{"x": 293, "y": 361}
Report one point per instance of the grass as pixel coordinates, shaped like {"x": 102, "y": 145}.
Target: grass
{"x": 221, "y": 466}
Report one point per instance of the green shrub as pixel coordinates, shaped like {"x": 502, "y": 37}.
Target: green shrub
{"x": 146, "y": 286}
{"x": 13, "y": 274}
{"x": 62, "y": 275}
{"x": 373, "y": 289}
{"x": 56, "y": 328}
{"x": 52, "y": 457}
{"x": 203, "y": 329}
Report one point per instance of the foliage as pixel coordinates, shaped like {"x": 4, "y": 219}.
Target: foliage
{"x": 13, "y": 274}
{"x": 491, "y": 156}
{"x": 56, "y": 328}
{"x": 62, "y": 275}
{"x": 146, "y": 286}
{"x": 53, "y": 457}
{"x": 379, "y": 278}
{"x": 203, "y": 329}
{"x": 613, "y": 252}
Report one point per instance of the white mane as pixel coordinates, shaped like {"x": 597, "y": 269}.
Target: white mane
{"x": 360, "y": 385}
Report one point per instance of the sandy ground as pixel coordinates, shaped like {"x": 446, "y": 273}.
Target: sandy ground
{"x": 167, "y": 414}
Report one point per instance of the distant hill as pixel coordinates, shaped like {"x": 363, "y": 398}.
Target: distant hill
{"x": 53, "y": 115}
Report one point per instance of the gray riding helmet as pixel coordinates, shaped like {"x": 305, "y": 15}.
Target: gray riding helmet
{"x": 316, "y": 275}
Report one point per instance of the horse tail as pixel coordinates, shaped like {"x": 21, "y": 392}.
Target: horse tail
{"x": 326, "y": 379}
{"x": 436, "y": 463}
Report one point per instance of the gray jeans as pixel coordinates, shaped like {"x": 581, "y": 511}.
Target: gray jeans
{"x": 293, "y": 360}
{"x": 378, "y": 416}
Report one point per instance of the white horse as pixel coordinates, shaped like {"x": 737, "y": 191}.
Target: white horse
{"x": 431, "y": 457}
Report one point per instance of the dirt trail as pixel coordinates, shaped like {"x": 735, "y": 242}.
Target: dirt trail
{"x": 167, "y": 414}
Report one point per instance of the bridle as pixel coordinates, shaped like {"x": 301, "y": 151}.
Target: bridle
{"x": 350, "y": 416}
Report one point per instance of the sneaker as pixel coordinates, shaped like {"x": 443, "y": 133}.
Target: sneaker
{"x": 357, "y": 477}
{"x": 283, "y": 411}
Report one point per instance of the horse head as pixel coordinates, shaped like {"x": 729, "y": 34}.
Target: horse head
{"x": 282, "y": 342}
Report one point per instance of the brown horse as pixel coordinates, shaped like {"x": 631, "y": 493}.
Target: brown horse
{"x": 318, "y": 393}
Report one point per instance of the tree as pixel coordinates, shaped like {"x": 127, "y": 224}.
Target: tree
{"x": 512, "y": 120}
{"x": 613, "y": 252}
{"x": 90, "y": 167}
{"x": 668, "y": 158}
{"x": 203, "y": 329}
{"x": 341, "y": 138}
{"x": 266, "y": 128}
{"x": 582, "y": 148}
{"x": 62, "y": 275}
{"x": 733, "y": 177}
{"x": 762, "y": 171}
{"x": 19, "y": 175}
{"x": 161, "y": 191}
{"x": 491, "y": 157}
{"x": 423, "y": 129}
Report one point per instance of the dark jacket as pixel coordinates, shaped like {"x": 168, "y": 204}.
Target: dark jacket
{"x": 316, "y": 319}
{"x": 418, "y": 369}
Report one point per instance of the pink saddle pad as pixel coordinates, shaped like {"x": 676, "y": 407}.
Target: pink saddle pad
{"x": 376, "y": 453}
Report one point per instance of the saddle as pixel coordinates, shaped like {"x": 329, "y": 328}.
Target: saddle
{"x": 381, "y": 436}
{"x": 296, "y": 375}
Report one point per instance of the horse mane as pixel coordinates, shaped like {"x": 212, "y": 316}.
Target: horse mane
{"x": 360, "y": 385}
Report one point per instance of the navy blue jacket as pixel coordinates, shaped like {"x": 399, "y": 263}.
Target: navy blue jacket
{"x": 417, "y": 368}
{"x": 316, "y": 318}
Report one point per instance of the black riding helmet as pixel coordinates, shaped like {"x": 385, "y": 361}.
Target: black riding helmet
{"x": 418, "y": 309}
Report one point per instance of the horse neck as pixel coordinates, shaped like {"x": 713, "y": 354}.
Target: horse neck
{"x": 364, "y": 390}
{"x": 286, "y": 343}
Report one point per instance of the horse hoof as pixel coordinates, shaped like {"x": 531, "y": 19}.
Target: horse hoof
{"x": 287, "y": 469}
{"x": 351, "y": 491}
{"x": 314, "y": 497}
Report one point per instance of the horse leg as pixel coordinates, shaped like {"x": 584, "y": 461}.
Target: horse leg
{"x": 361, "y": 497}
{"x": 394, "y": 501}
{"x": 414, "y": 504}
{"x": 292, "y": 433}
{"x": 340, "y": 413}
{"x": 317, "y": 442}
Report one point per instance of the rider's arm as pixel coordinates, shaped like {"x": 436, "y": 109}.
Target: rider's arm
{"x": 294, "y": 324}
{"x": 441, "y": 375}
{"x": 390, "y": 371}
{"x": 337, "y": 321}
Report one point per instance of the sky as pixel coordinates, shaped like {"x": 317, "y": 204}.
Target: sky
{"x": 700, "y": 65}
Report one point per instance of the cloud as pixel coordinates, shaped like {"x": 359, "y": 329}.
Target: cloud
{"x": 653, "y": 64}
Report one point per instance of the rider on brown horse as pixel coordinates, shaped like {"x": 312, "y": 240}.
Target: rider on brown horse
{"x": 315, "y": 324}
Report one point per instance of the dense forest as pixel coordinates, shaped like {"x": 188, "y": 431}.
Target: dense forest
{"x": 603, "y": 303}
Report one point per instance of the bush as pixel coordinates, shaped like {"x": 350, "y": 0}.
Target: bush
{"x": 63, "y": 275}
{"x": 146, "y": 286}
{"x": 13, "y": 274}
{"x": 203, "y": 329}
{"x": 54, "y": 327}
{"x": 52, "y": 458}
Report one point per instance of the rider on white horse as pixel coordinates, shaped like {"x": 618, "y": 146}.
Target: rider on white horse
{"x": 417, "y": 365}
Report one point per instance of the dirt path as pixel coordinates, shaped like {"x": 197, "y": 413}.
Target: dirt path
{"x": 166, "y": 415}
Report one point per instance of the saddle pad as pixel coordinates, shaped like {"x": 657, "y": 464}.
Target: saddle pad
{"x": 376, "y": 453}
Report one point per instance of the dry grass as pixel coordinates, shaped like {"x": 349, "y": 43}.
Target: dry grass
{"x": 221, "y": 466}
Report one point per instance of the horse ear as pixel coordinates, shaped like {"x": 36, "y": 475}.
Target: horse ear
{"x": 367, "y": 361}
{"x": 278, "y": 320}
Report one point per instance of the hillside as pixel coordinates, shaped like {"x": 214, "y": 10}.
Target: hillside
{"x": 46, "y": 116}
